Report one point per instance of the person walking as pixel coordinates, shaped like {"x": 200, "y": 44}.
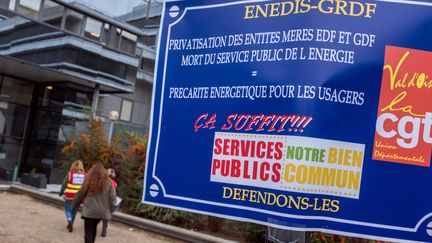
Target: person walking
{"x": 71, "y": 184}
{"x": 97, "y": 196}
{"x": 112, "y": 174}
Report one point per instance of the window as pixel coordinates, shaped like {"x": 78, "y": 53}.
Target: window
{"x": 114, "y": 37}
{"x": 71, "y": 55}
{"x": 150, "y": 40}
{"x": 105, "y": 34}
{"x": 73, "y": 21}
{"x": 76, "y": 100}
{"x": 16, "y": 91}
{"x": 126, "y": 110}
{"x": 47, "y": 125}
{"x": 108, "y": 66}
{"x": 128, "y": 41}
{"x": 15, "y": 98}
{"x": 147, "y": 65}
{"x": 7, "y": 4}
{"x": 52, "y": 13}
{"x": 14, "y": 117}
{"x": 121, "y": 70}
{"x": 29, "y": 7}
{"x": 131, "y": 73}
{"x": 83, "y": 99}
{"x": 89, "y": 60}
{"x": 12, "y": 4}
{"x": 93, "y": 29}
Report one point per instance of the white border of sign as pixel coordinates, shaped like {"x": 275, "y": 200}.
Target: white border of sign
{"x": 338, "y": 220}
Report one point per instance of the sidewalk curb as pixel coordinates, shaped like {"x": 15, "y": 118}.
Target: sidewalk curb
{"x": 137, "y": 222}
{"x": 4, "y": 188}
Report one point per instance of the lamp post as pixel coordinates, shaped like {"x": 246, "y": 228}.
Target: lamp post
{"x": 113, "y": 116}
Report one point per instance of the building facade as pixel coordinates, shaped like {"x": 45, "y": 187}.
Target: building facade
{"x": 62, "y": 62}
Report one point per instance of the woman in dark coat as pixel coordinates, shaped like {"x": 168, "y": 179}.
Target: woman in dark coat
{"x": 97, "y": 196}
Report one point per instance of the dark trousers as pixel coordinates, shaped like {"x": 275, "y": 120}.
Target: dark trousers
{"x": 90, "y": 228}
{"x": 104, "y": 227}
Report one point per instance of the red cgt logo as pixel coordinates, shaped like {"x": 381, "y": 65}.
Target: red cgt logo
{"x": 403, "y": 126}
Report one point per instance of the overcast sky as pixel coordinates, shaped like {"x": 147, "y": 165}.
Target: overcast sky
{"x": 111, "y": 7}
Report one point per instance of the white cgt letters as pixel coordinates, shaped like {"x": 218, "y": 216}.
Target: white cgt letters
{"x": 408, "y": 137}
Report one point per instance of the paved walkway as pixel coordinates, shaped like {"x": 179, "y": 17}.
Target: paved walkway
{"x": 24, "y": 219}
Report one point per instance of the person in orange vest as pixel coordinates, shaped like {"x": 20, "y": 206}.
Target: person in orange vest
{"x": 112, "y": 174}
{"x": 71, "y": 184}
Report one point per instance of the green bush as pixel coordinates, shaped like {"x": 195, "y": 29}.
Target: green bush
{"x": 254, "y": 232}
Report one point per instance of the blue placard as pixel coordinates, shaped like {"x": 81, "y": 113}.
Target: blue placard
{"x": 297, "y": 114}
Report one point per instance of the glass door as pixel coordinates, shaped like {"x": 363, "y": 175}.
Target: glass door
{"x": 15, "y": 100}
